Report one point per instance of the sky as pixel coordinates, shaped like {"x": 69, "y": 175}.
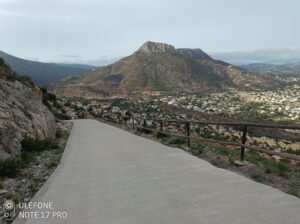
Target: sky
{"x": 87, "y": 30}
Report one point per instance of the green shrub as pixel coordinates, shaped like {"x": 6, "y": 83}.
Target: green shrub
{"x": 67, "y": 104}
{"x": 294, "y": 192}
{"x": 32, "y": 147}
{"x": 59, "y": 133}
{"x": 197, "y": 148}
{"x": 31, "y": 144}
{"x": 173, "y": 140}
{"x": 61, "y": 116}
{"x": 197, "y": 130}
{"x": 51, "y": 164}
{"x": 258, "y": 177}
{"x": 281, "y": 168}
{"x": 9, "y": 167}
{"x": 158, "y": 134}
{"x": 268, "y": 170}
{"x": 56, "y": 105}
{"x": 148, "y": 132}
{"x": 220, "y": 150}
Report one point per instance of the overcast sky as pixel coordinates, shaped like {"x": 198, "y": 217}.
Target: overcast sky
{"x": 79, "y": 30}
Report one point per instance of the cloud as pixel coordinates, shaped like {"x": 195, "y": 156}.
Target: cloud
{"x": 68, "y": 56}
{"x": 53, "y": 29}
{"x": 10, "y": 13}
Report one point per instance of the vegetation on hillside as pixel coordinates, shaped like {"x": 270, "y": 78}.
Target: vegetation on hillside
{"x": 43, "y": 74}
{"x": 161, "y": 67}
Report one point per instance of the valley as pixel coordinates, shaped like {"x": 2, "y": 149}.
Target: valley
{"x": 273, "y": 107}
{"x": 43, "y": 74}
{"x": 279, "y": 105}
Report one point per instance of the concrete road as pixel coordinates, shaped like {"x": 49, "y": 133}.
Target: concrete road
{"x": 110, "y": 176}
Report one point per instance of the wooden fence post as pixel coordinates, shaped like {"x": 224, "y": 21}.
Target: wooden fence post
{"x": 244, "y": 139}
{"x": 188, "y": 133}
{"x": 132, "y": 122}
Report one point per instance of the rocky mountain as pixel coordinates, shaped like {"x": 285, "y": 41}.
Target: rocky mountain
{"x": 161, "y": 67}
{"x": 43, "y": 74}
{"x": 21, "y": 112}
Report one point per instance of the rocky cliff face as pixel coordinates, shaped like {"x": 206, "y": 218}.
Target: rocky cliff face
{"x": 21, "y": 112}
{"x": 154, "y": 47}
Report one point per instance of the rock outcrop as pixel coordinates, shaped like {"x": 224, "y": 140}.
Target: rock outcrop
{"x": 21, "y": 112}
{"x": 154, "y": 47}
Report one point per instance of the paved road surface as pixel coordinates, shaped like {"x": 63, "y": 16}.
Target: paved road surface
{"x": 110, "y": 176}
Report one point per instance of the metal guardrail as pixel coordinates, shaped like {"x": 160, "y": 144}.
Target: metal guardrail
{"x": 242, "y": 145}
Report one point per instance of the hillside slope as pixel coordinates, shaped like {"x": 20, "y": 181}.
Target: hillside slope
{"x": 21, "y": 112}
{"x": 161, "y": 67}
{"x": 43, "y": 74}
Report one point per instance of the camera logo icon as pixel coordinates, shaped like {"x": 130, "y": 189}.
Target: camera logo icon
{"x": 9, "y": 204}
{"x": 10, "y": 210}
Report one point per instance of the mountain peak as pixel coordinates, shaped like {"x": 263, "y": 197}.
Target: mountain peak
{"x": 161, "y": 67}
{"x": 155, "y": 47}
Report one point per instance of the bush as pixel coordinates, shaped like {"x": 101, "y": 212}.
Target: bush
{"x": 68, "y": 104}
{"x": 61, "y": 116}
{"x": 160, "y": 135}
{"x": 59, "y": 133}
{"x": 258, "y": 177}
{"x": 31, "y": 147}
{"x": 9, "y": 167}
{"x": 281, "y": 168}
{"x": 197, "y": 130}
{"x": 197, "y": 148}
{"x": 56, "y": 105}
{"x": 176, "y": 140}
{"x": 52, "y": 164}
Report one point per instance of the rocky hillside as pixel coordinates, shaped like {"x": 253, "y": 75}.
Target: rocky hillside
{"x": 21, "y": 112}
{"x": 161, "y": 67}
{"x": 43, "y": 74}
